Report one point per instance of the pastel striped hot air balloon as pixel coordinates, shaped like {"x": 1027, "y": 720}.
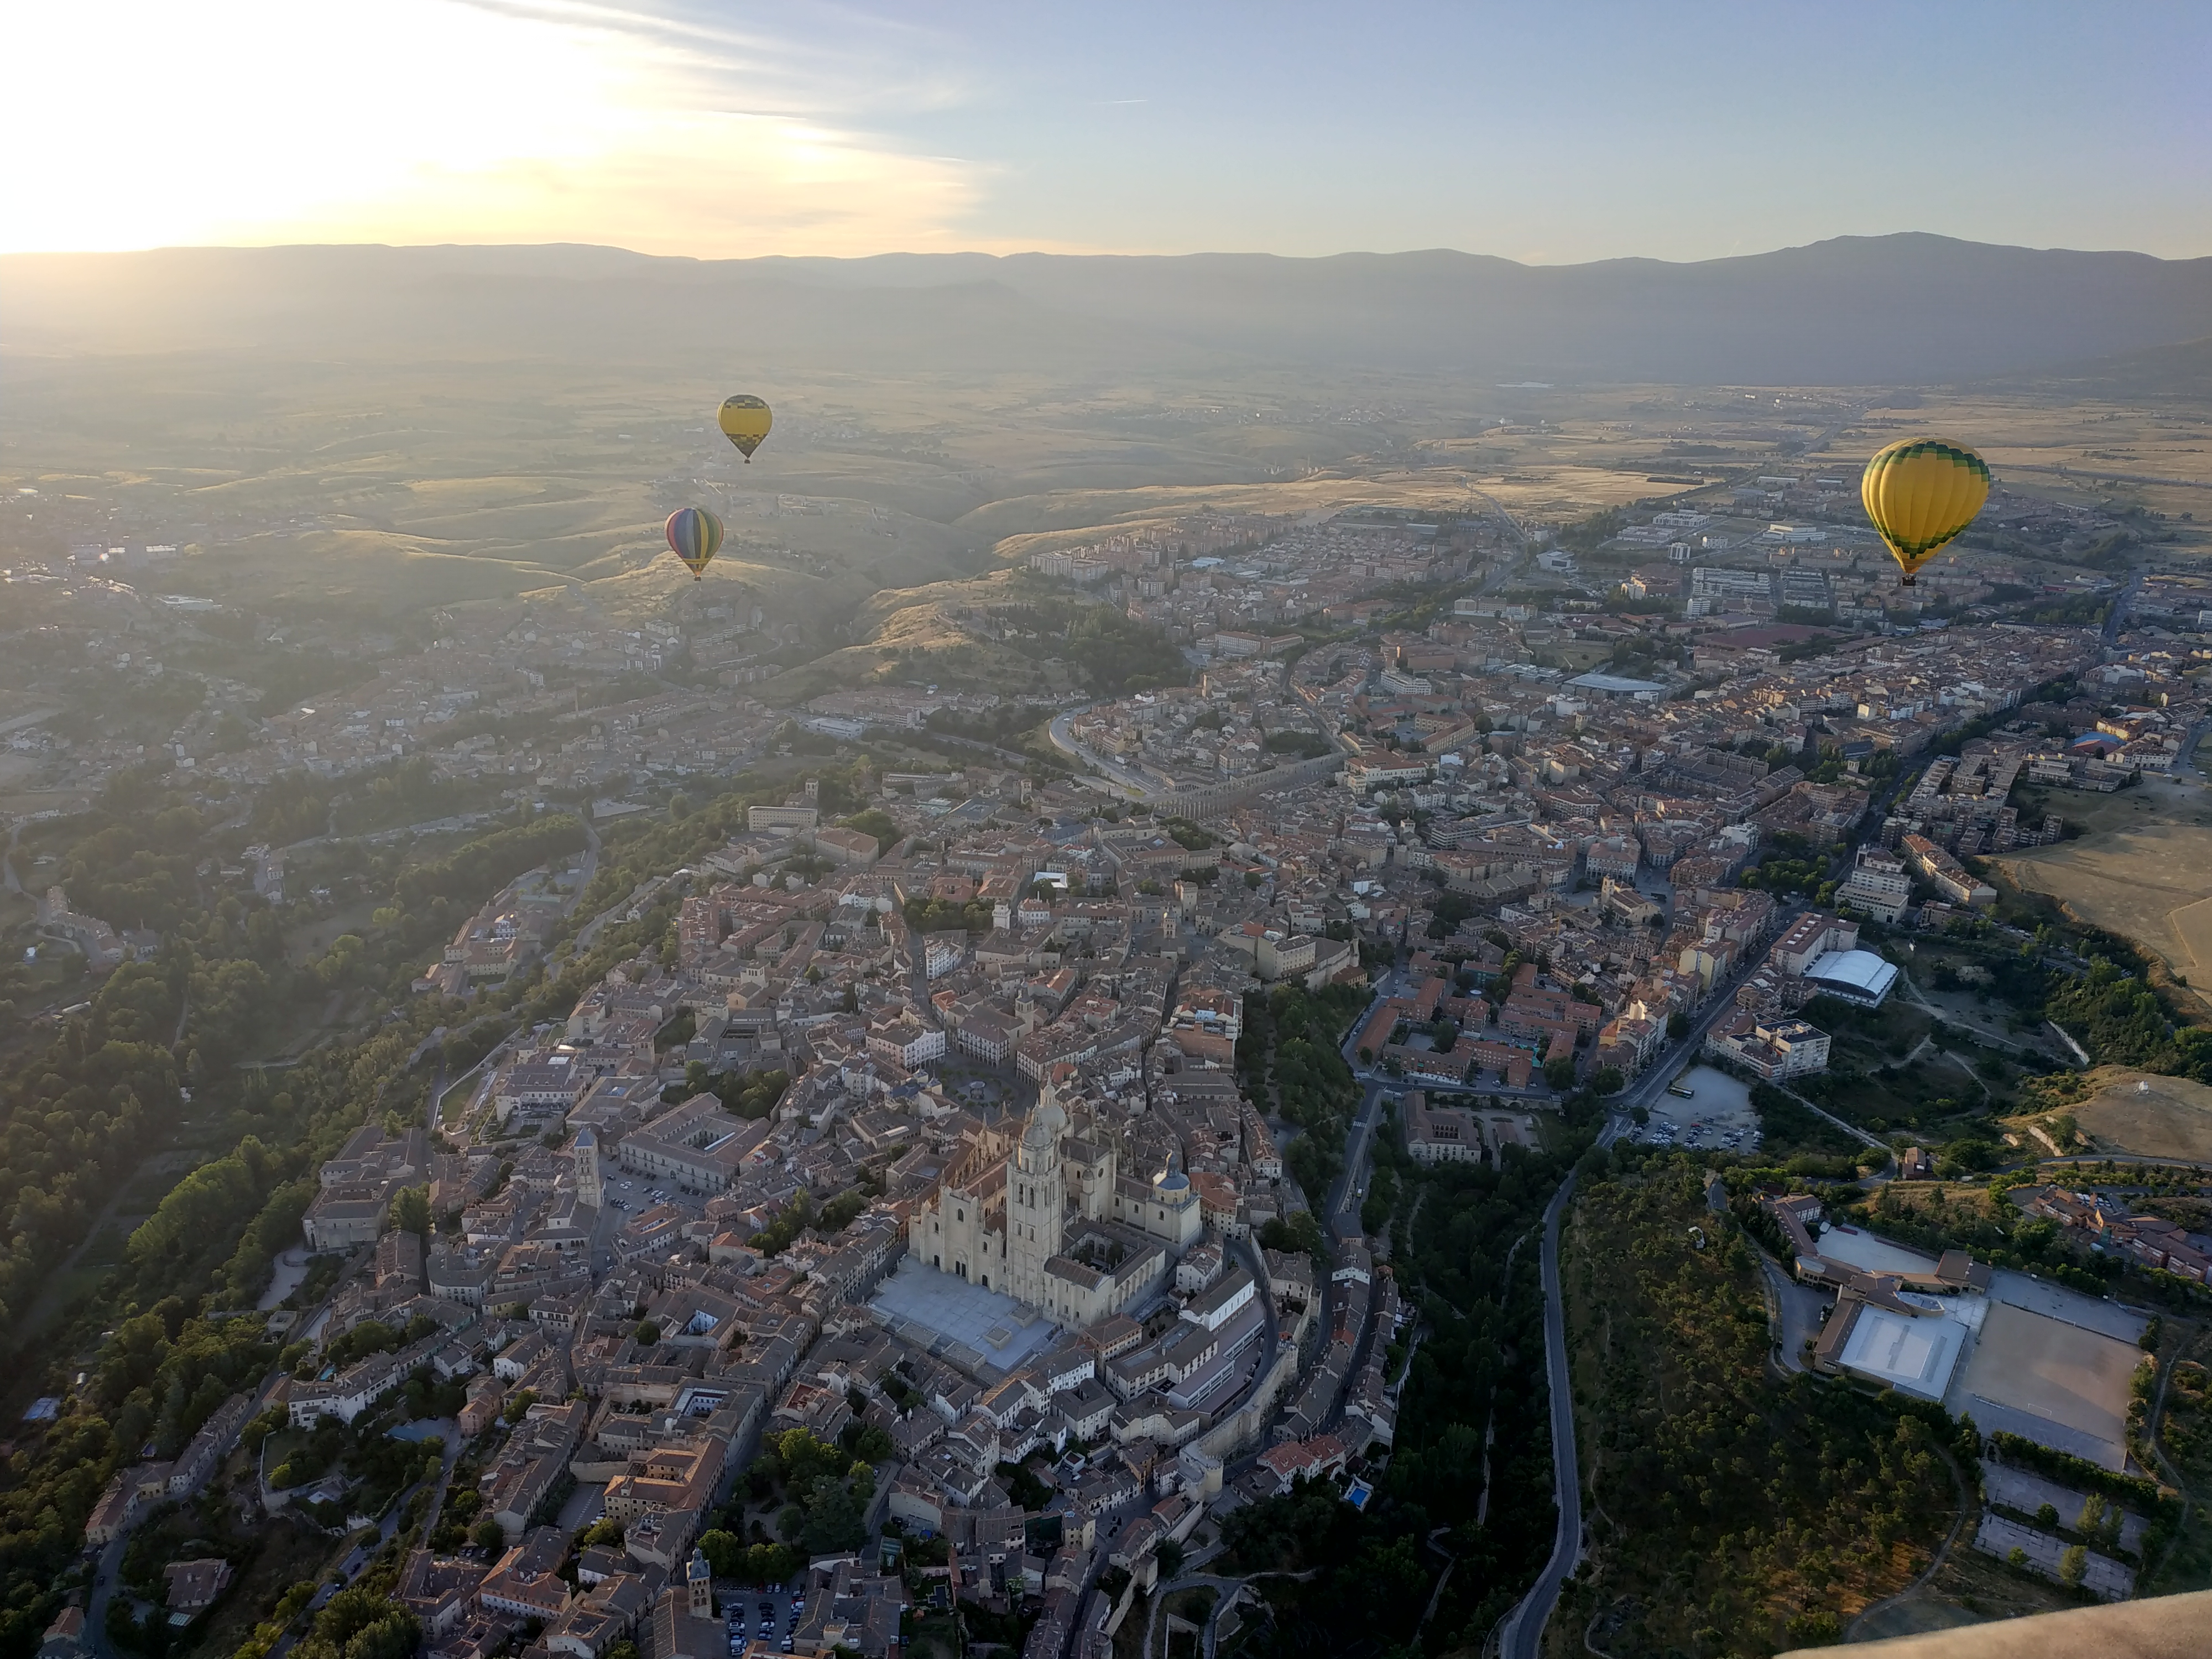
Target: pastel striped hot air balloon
{"x": 1920, "y": 494}
{"x": 696, "y": 535}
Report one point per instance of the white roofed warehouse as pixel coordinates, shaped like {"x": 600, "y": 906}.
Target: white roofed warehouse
{"x": 1857, "y": 976}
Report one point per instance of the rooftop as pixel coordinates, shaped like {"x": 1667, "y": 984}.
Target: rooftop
{"x": 1860, "y": 975}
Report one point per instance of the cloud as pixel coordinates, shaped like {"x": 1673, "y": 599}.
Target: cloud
{"x": 256, "y": 121}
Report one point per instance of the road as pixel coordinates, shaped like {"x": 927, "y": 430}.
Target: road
{"x": 1344, "y": 1197}
{"x": 1850, "y": 1129}
{"x": 107, "y": 1566}
{"x": 2120, "y": 604}
{"x": 976, "y": 746}
{"x": 451, "y": 1434}
{"x": 2090, "y": 474}
{"x": 1064, "y": 740}
{"x": 591, "y": 865}
{"x": 1224, "y": 1589}
{"x": 1523, "y": 1630}
{"x": 1524, "y": 1626}
{"x": 1798, "y": 1309}
{"x": 1962, "y": 1020}
{"x": 104, "y": 1574}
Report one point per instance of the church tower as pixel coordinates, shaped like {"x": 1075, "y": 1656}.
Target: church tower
{"x": 1175, "y": 1213}
{"x": 699, "y": 1584}
{"x": 590, "y": 1188}
{"x": 1035, "y": 1201}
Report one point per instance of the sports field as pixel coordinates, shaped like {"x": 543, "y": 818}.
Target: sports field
{"x": 2071, "y": 1384}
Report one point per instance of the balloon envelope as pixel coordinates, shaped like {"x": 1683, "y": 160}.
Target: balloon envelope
{"x": 745, "y": 421}
{"x": 1920, "y": 494}
{"x": 697, "y": 536}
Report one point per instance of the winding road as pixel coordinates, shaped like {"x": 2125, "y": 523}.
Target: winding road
{"x": 1523, "y": 1631}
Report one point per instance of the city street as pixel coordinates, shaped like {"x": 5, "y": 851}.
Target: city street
{"x": 1130, "y": 783}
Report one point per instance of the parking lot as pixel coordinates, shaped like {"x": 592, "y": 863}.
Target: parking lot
{"x": 742, "y": 1613}
{"x": 1717, "y": 1115}
{"x": 634, "y": 1194}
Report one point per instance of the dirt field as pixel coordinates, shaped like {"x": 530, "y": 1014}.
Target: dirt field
{"x": 2144, "y": 870}
{"x": 2053, "y": 1371}
{"x": 2171, "y": 1118}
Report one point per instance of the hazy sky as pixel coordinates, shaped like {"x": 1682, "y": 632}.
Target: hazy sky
{"x": 1547, "y": 133}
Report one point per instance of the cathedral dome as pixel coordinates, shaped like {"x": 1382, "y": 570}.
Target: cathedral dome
{"x": 1172, "y": 1181}
{"x": 1046, "y": 1125}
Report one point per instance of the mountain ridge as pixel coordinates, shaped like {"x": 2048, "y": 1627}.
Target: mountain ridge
{"x": 1913, "y": 307}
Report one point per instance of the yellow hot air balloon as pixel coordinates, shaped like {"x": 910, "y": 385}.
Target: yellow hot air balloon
{"x": 745, "y": 421}
{"x": 1920, "y": 494}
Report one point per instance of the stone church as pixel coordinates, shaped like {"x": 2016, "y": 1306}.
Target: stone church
{"x": 1048, "y": 1219}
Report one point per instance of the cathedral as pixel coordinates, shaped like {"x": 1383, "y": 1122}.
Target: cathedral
{"x": 1048, "y": 1220}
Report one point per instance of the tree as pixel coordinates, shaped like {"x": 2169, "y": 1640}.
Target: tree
{"x": 410, "y": 1210}
{"x": 487, "y": 1535}
{"x": 877, "y": 823}
{"x": 725, "y": 1552}
{"x": 1560, "y": 1073}
{"x": 2072, "y": 1565}
{"x": 360, "y": 1623}
{"x": 1678, "y": 1026}
{"x": 1609, "y": 1080}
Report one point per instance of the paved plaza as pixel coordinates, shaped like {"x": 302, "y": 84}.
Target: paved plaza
{"x": 961, "y": 1321}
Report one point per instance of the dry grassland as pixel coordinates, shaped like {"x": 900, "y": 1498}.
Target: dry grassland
{"x": 2143, "y": 871}
{"x": 2169, "y": 1118}
{"x": 2092, "y": 438}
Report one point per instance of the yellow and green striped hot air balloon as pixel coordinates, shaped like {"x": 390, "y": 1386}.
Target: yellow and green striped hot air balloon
{"x": 745, "y": 420}
{"x": 695, "y": 536}
{"x": 1920, "y": 494}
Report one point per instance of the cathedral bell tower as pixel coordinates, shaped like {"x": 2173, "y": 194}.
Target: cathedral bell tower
{"x": 1035, "y": 1201}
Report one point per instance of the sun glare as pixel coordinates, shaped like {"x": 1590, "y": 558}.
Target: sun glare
{"x": 258, "y": 121}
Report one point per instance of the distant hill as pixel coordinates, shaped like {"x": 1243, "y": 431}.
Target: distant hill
{"x": 2183, "y": 370}
{"x": 1912, "y": 308}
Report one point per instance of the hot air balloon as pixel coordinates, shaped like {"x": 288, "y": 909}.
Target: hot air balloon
{"x": 1920, "y": 494}
{"x": 745, "y": 421}
{"x": 697, "y": 536}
